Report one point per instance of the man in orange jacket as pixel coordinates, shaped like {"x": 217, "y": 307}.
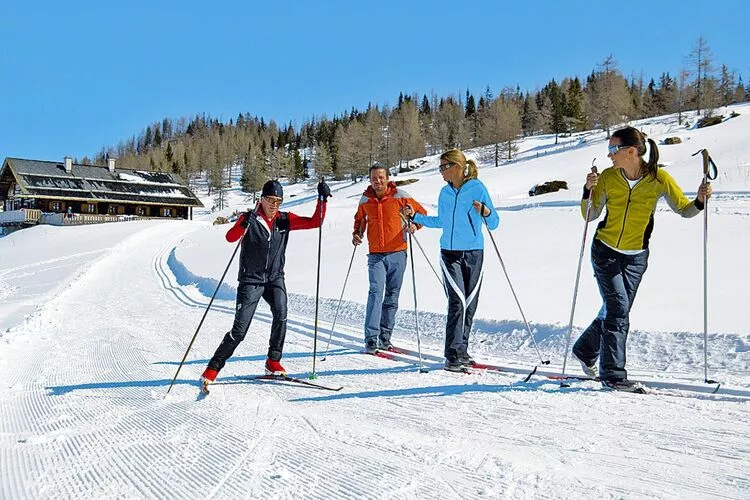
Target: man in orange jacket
{"x": 379, "y": 212}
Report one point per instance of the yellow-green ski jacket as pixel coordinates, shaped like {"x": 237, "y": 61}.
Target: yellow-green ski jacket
{"x": 629, "y": 219}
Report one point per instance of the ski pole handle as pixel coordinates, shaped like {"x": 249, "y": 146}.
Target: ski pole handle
{"x": 594, "y": 170}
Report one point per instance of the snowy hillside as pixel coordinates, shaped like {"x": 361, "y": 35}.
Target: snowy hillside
{"x": 95, "y": 320}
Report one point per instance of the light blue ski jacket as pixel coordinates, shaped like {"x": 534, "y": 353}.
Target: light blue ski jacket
{"x": 462, "y": 225}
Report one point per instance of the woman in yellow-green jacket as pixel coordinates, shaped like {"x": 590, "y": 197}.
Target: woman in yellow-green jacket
{"x": 629, "y": 190}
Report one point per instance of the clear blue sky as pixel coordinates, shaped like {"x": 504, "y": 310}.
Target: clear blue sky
{"x": 79, "y": 75}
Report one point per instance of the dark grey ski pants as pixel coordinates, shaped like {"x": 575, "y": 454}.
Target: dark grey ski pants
{"x": 462, "y": 277}
{"x": 248, "y": 296}
{"x": 618, "y": 276}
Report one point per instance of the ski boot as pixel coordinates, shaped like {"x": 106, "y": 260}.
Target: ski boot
{"x": 274, "y": 368}
{"x": 208, "y": 377}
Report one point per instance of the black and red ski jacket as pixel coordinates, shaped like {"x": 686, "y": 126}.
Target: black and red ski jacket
{"x": 264, "y": 245}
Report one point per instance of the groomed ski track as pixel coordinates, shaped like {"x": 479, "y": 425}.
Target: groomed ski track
{"x": 84, "y": 412}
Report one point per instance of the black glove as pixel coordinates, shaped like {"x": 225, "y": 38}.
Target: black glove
{"x": 245, "y": 219}
{"x": 324, "y": 192}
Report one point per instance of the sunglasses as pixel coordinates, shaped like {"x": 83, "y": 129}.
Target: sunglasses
{"x": 274, "y": 202}
{"x": 445, "y": 166}
{"x": 614, "y": 149}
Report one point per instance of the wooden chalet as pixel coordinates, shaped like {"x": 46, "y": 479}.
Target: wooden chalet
{"x": 54, "y": 187}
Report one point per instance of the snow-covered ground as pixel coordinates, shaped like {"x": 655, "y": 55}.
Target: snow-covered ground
{"x": 95, "y": 320}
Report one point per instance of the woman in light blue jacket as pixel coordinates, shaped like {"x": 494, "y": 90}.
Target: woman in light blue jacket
{"x": 462, "y": 205}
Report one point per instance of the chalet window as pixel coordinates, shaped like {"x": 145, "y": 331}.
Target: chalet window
{"x": 112, "y": 210}
{"x": 167, "y": 212}
{"x": 140, "y": 211}
{"x": 55, "y": 206}
{"x": 90, "y": 208}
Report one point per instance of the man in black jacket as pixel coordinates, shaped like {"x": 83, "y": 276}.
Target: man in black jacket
{"x": 265, "y": 233}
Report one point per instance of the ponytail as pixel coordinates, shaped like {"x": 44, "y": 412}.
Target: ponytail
{"x": 652, "y": 164}
{"x": 471, "y": 171}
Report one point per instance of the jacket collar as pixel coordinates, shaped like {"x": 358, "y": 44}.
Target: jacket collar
{"x": 389, "y": 191}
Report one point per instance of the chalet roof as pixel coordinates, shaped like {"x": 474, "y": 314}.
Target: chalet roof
{"x": 48, "y": 179}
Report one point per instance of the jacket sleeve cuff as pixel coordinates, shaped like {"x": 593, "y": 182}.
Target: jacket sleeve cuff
{"x": 586, "y": 193}
{"x": 699, "y": 204}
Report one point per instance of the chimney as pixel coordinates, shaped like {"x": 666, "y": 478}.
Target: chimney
{"x": 111, "y": 164}
{"x": 68, "y": 165}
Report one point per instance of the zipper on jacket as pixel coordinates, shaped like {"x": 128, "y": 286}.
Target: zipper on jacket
{"x": 380, "y": 223}
{"x": 471, "y": 223}
{"x": 624, "y": 217}
{"x": 268, "y": 250}
{"x": 627, "y": 206}
{"x": 453, "y": 220}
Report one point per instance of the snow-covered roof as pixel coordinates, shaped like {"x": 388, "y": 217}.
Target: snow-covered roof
{"x": 48, "y": 179}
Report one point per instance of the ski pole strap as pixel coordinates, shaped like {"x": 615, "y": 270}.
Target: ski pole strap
{"x": 713, "y": 170}
{"x": 710, "y": 170}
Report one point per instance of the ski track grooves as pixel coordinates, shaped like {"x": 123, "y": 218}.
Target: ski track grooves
{"x": 490, "y": 438}
{"x": 732, "y": 461}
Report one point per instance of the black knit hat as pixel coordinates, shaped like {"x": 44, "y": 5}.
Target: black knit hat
{"x": 272, "y": 188}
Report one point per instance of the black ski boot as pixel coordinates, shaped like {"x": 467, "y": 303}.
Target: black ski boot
{"x": 623, "y": 385}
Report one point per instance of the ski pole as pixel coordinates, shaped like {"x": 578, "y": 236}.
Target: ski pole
{"x": 317, "y": 284}
{"x": 427, "y": 259}
{"x": 578, "y": 275}
{"x": 528, "y": 329}
{"x": 422, "y": 369}
{"x": 338, "y": 307}
{"x": 708, "y": 166}
{"x": 239, "y": 243}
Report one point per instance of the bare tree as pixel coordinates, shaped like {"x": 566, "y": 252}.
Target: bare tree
{"x": 322, "y": 160}
{"x": 449, "y": 126}
{"x": 500, "y": 125}
{"x": 351, "y": 142}
{"x": 373, "y": 131}
{"x": 405, "y": 134}
{"x": 701, "y": 67}
{"x": 684, "y": 91}
{"x": 609, "y": 95}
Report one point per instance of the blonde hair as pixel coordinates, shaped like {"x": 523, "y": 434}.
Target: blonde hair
{"x": 456, "y": 156}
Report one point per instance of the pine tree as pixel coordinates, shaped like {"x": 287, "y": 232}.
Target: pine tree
{"x": 739, "y": 91}
{"x": 665, "y": 95}
{"x": 726, "y": 86}
{"x": 574, "y": 111}
{"x": 169, "y": 155}
{"x": 425, "y": 109}
{"x": 531, "y": 119}
{"x": 297, "y": 170}
{"x": 147, "y": 138}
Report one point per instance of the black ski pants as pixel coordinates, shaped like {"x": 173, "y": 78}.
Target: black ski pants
{"x": 462, "y": 278}
{"x": 248, "y": 296}
{"x": 618, "y": 276}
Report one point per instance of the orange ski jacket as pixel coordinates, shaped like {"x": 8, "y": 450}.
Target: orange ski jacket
{"x": 381, "y": 218}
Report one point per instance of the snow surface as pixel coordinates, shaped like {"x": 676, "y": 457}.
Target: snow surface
{"x": 94, "y": 321}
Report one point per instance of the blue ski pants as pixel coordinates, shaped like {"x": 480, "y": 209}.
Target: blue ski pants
{"x": 386, "y": 273}
{"x": 618, "y": 276}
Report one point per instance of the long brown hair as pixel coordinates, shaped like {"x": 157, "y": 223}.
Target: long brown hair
{"x": 630, "y": 136}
